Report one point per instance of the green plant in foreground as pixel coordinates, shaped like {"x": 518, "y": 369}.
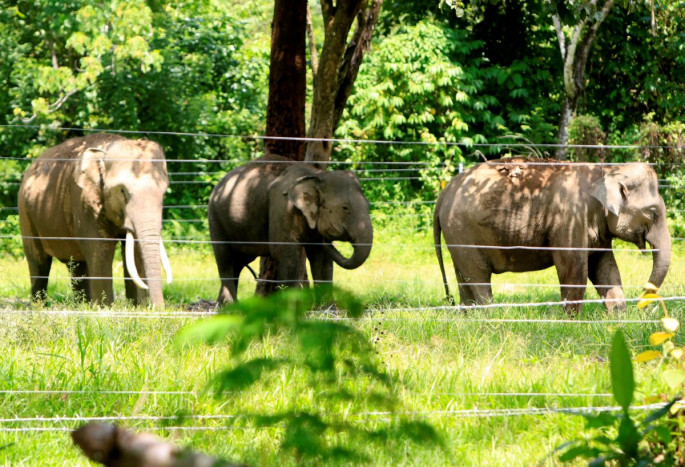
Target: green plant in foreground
{"x": 335, "y": 415}
{"x": 620, "y": 440}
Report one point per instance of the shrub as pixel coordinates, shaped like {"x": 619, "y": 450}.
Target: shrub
{"x": 586, "y": 130}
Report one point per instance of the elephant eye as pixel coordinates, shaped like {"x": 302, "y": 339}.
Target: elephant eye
{"x": 346, "y": 208}
{"x": 650, "y": 212}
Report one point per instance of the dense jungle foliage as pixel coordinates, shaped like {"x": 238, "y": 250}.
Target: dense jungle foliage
{"x": 438, "y": 73}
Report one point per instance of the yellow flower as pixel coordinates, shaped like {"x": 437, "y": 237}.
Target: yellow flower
{"x": 659, "y": 338}
{"x": 646, "y": 299}
{"x": 648, "y": 355}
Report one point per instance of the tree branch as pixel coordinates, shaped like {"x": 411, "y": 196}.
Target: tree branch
{"x": 55, "y": 106}
{"x": 337, "y": 28}
{"x": 117, "y": 447}
{"x": 53, "y": 54}
{"x": 367, "y": 19}
{"x": 560, "y": 35}
{"x": 327, "y": 10}
{"x": 586, "y": 45}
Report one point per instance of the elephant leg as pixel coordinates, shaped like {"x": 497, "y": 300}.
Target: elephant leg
{"x": 572, "y": 270}
{"x": 321, "y": 265}
{"x": 39, "y": 261}
{"x": 39, "y": 269}
{"x": 230, "y": 264}
{"x": 99, "y": 257}
{"x": 473, "y": 275}
{"x": 474, "y": 286}
{"x": 79, "y": 286}
{"x": 291, "y": 265}
{"x": 604, "y": 274}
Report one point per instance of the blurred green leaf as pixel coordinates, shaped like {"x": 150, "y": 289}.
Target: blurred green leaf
{"x": 209, "y": 331}
{"x": 244, "y": 375}
{"x": 622, "y": 382}
{"x": 601, "y": 420}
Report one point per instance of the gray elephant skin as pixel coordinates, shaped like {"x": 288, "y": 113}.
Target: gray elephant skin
{"x": 572, "y": 210}
{"x": 79, "y": 199}
{"x": 287, "y": 210}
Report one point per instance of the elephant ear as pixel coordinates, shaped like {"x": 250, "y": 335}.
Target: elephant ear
{"x": 611, "y": 192}
{"x": 92, "y": 167}
{"x": 90, "y": 177}
{"x": 304, "y": 195}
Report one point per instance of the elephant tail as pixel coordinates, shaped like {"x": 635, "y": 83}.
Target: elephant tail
{"x": 437, "y": 241}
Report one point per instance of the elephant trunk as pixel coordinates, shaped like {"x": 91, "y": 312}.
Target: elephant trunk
{"x": 150, "y": 254}
{"x": 361, "y": 242}
{"x": 660, "y": 241}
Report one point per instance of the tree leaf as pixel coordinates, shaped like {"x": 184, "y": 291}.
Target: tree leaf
{"x": 646, "y": 299}
{"x": 673, "y": 377}
{"x": 578, "y": 451}
{"x": 648, "y": 355}
{"x": 209, "y": 331}
{"x": 659, "y": 337}
{"x": 628, "y": 437}
{"x": 622, "y": 381}
{"x": 663, "y": 433}
{"x": 601, "y": 420}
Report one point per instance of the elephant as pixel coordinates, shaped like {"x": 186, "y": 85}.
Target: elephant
{"x": 530, "y": 214}
{"x": 290, "y": 211}
{"x": 82, "y": 197}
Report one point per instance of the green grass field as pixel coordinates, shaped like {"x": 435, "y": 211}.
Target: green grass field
{"x": 470, "y": 376}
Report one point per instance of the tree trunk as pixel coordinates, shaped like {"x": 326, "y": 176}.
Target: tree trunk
{"x": 287, "y": 79}
{"x": 333, "y": 80}
{"x": 575, "y": 51}
{"x": 567, "y": 111}
{"x": 338, "y": 67}
{"x": 287, "y": 99}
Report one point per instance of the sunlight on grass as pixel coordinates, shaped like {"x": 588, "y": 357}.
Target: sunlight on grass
{"x": 446, "y": 360}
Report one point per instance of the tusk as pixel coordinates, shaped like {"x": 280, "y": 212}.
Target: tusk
{"x": 165, "y": 261}
{"x": 131, "y": 262}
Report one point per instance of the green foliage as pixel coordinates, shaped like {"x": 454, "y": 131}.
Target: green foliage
{"x": 663, "y": 144}
{"x": 622, "y": 380}
{"x": 132, "y": 65}
{"x": 440, "y": 363}
{"x": 620, "y": 438}
{"x": 586, "y": 130}
{"x": 417, "y": 85}
{"x": 11, "y": 245}
{"x": 637, "y": 69}
{"x": 341, "y": 366}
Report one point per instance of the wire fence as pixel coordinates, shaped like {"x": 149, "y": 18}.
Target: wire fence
{"x": 370, "y": 172}
{"x": 464, "y": 413}
{"x": 504, "y": 144}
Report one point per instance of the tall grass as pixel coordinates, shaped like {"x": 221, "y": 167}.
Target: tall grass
{"x": 444, "y": 361}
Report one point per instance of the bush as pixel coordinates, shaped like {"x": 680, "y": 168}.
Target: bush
{"x": 586, "y": 130}
{"x": 11, "y": 246}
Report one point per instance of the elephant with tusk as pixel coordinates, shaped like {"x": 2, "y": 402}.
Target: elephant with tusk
{"x": 290, "y": 211}
{"x": 79, "y": 199}
{"x": 528, "y": 215}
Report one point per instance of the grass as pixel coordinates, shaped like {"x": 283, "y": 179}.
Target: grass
{"x": 443, "y": 361}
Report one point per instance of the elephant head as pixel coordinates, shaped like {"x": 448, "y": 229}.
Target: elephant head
{"x": 635, "y": 212}
{"x": 125, "y": 182}
{"x": 333, "y": 203}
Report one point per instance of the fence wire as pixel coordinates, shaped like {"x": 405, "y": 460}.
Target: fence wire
{"x": 363, "y": 416}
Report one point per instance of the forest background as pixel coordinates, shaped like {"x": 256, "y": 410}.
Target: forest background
{"x": 473, "y": 73}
